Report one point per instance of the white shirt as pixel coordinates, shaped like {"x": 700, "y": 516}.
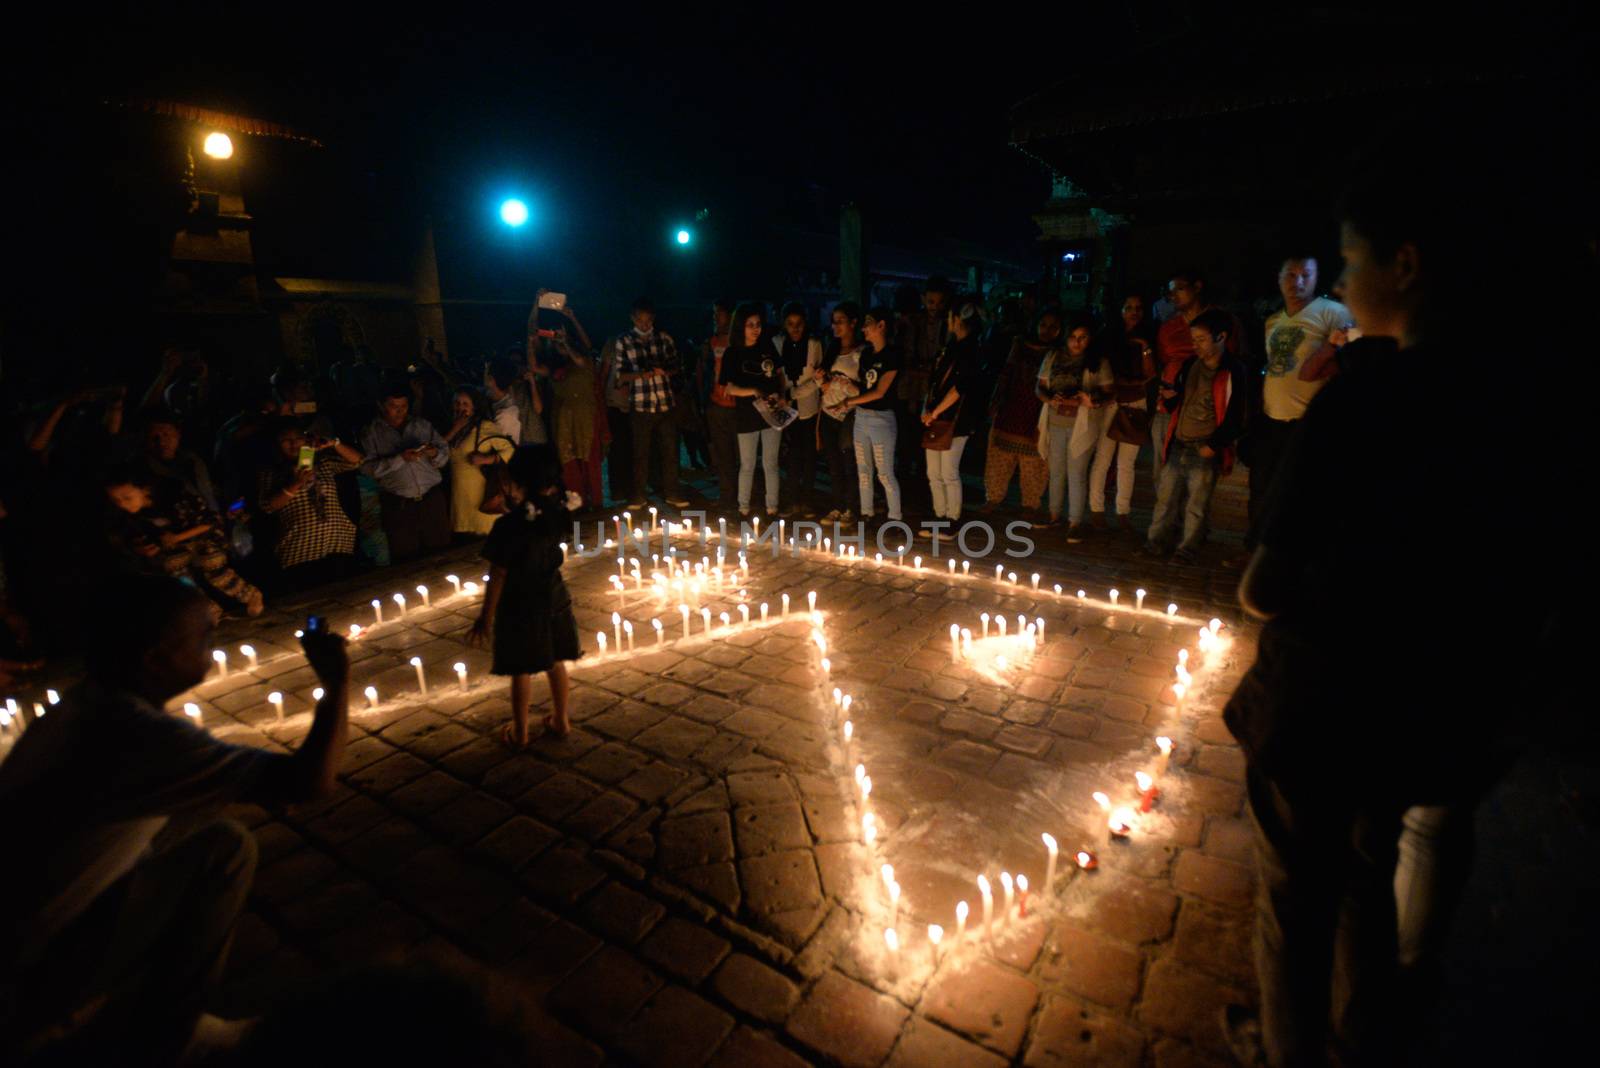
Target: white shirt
{"x": 508, "y": 417}
{"x": 1291, "y": 340}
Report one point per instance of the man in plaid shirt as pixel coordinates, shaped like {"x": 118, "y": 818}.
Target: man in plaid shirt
{"x": 647, "y": 363}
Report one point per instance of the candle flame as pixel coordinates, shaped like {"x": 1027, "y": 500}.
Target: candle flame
{"x": 861, "y": 773}
{"x": 459, "y": 667}
{"x": 1050, "y": 842}
{"x": 849, "y": 729}
{"x": 1123, "y": 820}
{"x": 962, "y": 910}
{"x": 1005, "y": 880}
{"x": 1164, "y": 744}
{"x": 275, "y": 697}
{"x": 891, "y": 939}
{"x": 247, "y": 650}
{"x": 1085, "y": 858}
{"x": 1022, "y": 883}
{"x": 1102, "y": 800}
{"x": 887, "y": 871}
{"x": 983, "y": 885}
{"x": 935, "y": 933}
{"x": 1142, "y": 780}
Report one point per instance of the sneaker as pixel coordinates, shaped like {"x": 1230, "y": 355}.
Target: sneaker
{"x": 846, "y": 517}
{"x": 1183, "y": 556}
{"x": 1046, "y": 522}
{"x": 638, "y": 505}
{"x": 1241, "y": 1029}
{"x": 1097, "y": 520}
{"x": 1076, "y": 532}
{"x": 677, "y": 502}
{"x": 832, "y": 516}
{"x": 925, "y": 533}
{"x": 773, "y": 513}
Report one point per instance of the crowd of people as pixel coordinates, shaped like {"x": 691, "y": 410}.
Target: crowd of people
{"x": 1359, "y": 727}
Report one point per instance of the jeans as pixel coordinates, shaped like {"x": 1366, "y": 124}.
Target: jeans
{"x": 1269, "y": 438}
{"x": 154, "y": 944}
{"x": 724, "y": 453}
{"x": 769, "y": 440}
{"x": 875, "y": 440}
{"x": 1185, "y": 474}
{"x": 1069, "y": 475}
{"x": 658, "y": 430}
{"x": 839, "y": 449}
{"x": 1127, "y": 459}
{"x": 801, "y": 437}
{"x": 944, "y": 479}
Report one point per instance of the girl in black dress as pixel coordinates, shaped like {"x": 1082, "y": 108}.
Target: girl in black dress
{"x": 526, "y": 606}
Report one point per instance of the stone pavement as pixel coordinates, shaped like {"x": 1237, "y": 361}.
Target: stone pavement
{"x": 684, "y": 879}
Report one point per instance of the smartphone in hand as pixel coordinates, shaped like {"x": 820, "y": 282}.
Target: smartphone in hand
{"x": 553, "y": 301}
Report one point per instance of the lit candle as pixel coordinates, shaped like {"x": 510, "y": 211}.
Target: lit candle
{"x": 355, "y": 631}
{"x": 660, "y": 633}
{"x": 952, "y": 565}
{"x": 955, "y": 643}
{"x": 1147, "y": 790}
{"x": 1038, "y": 627}
{"x": 275, "y": 699}
{"x": 377, "y": 611}
{"x": 705, "y": 620}
{"x": 1086, "y": 860}
{"x": 461, "y": 674}
{"x": 1178, "y": 690}
{"x": 600, "y": 640}
{"x": 400, "y": 601}
{"x": 984, "y": 617}
{"x": 785, "y": 606}
{"x": 744, "y": 614}
{"x": 1183, "y": 657}
{"x": 470, "y": 589}
{"x": 755, "y": 526}
{"x": 1022, "y": 624}
{"x": 1036, "y": 582}
{"x": 999, "y": 572}
{"x": 827, "y": 545}
{"x": 1022, "y": 897}
{"x": 961, "y": 920}
{"x": 892, "y": 940}
{"x": 827, "y": 665}
{"x": 422, "y": 680}
{"x": 1172, "y": 610}
{"x": 372, "y": 696}
{"x": 563, "y": 552}
{"x": 849, "y": 731}
{"x": 763, "y": 611}
{"x": 1103, "y": 801}
{"x": 192, "y": 710}
{"x": 422, "y": 591}
{"x": 249, "y": 652}
{"x": 916, "y": 563}
{"x": 866, "y": 787}
{"x": 811, "y": 601}
{"x": 845, "y": 704}
{"x": 1058, "y": 589}
{"x": 1164, "y": 744}
{"x": 652, "y": 520}
{"x": 722, "y": 528}
{"x": 1122, "y": 822}
{"x": 966, "y": 567}
{"x": 454, "y": 581}
{"x": 52, "y": 697}
{"x": 1011, "y": 577}
{"x": 1138, "y": 599}
{"x": 1052, "y": 849}
{"x": 724, "y": 617}
{"x": 1216, "y": 625}
{"x": 1114, "y": 595}
{"x": 988, "y": 906}
{"x": 38, "y": 711}
{"x": 683, "y": 610}
{"x": 617, "y": 520}
{"x": 1000, "y": 622}
{"x": 222, "y": 663}
{"x": 616, "y": 629}
{"x": 1081, "y": 595}
{"x": 627, "y": 630}
{"x": 877, "y": 559}
{"x": 622, "y": 565}
{"x": 935, "y": 936}
{"x": 1006, "y": 884}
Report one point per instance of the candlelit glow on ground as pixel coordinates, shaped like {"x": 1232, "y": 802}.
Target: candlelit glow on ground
{"x": 974, "y": 747}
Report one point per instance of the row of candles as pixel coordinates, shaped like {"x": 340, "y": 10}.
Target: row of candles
{"x": 1121, "y": 820}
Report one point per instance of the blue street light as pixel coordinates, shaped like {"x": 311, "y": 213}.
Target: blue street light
{"x": 684, "y": 237}
{"x": 513, "y": 212}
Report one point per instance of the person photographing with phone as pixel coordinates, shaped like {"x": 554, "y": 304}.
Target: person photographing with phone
{"x": 404, "y": 454}
{"x": 315, "y": 538}
{"x": 111, "y": 938}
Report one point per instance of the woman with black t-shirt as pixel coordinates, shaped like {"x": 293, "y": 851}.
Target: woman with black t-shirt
{"x": 874, "y": 407}
{"x": 751, "y": 370}
{"x": 840, "y": 379}
{"x": 954, "y": 392}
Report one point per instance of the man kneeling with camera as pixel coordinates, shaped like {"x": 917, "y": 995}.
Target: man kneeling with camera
{"x": 123, "y": 882}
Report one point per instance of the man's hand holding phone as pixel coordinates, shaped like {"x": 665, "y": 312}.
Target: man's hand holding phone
{"x": 326, "y": 653}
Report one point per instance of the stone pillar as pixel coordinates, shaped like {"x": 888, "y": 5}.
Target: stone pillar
{"x": 852, "y": 255}
{"x": 426, "y": 300}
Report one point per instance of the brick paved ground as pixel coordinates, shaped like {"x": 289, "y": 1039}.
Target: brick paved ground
{"x": 683, "y": 880}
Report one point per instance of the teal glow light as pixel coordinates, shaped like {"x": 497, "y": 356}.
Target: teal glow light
{"x": 513, "y": 212}
{"x": 683, "y": 237}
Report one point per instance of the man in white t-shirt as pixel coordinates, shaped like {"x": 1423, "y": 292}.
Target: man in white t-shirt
{"x": 123, "y": 884}
{"x": 1302, "y": 342}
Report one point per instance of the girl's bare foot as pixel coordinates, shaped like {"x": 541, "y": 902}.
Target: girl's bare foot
{"x": 560, "y": 730}
{"x": 514, "y": 738}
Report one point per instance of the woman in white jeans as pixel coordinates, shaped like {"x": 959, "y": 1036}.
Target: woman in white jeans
{"x": 954, "y": 392}
{"x": 1127, "y": 345}
{"x": 751, "y": 369}
{"x": 1076, "y": 391}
